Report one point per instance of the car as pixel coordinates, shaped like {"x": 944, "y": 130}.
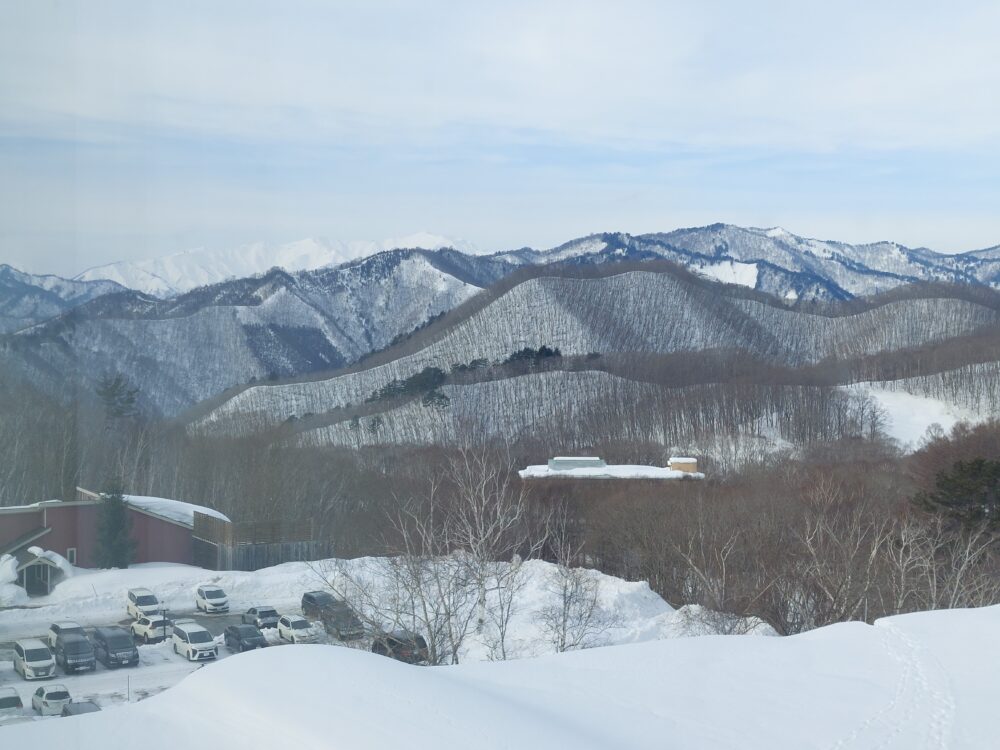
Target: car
{"x": 66, "y": 626}
{"x": 402, "y": 645}
{"x": 49, "y": 700}
{"x": 75, "y": 708}
{"x": 114, "y": 647}
{"x": 193, "y": 642}
{"x": 11, "y": 707}
{"x": 261, "y": 617}
{"x": 295, "y": 629}
{"x": 141, "y": 602}
{"x": 33, "y": 660}
{"x": 74, "y": 653}
{"x": 152, "y": 628}
{"x": 210, "y": 598}
{"x": 337, "y": 616}
{"x": 245, "y": 637}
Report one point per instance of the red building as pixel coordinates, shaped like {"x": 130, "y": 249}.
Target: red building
{"x": 162, "y": 531}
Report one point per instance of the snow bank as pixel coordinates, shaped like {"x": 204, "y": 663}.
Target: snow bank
{"x": 10, "y": 593}
{"x": 98, "y": 597}
{"x": 924, "y": 680}
{"x": 615, "y": 471}
{"x": 174, "y": 510}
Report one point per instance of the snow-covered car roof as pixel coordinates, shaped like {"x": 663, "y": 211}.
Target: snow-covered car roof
{"x": 32, "y": 643}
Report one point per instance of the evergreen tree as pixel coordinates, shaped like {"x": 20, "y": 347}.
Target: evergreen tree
{"x": 118, "y": 397}
{"x": 969, "y": 493}
{"x": 115, "y": 546}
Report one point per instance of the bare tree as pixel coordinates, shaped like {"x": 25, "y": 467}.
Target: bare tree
{"x": 576, "y": 618}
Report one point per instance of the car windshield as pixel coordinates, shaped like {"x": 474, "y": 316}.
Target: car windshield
{"x": 200, "y": 636}
{"x": 146, "y": 601}
{"x": 120, "y": 641}
{"x": 215, "y": 594}
{"x": 323, "y": 599}
{"x": 10, "y": 701}
{"x": 299, "y": 624}
{"x": 267, "y": 613}
{"x": 64, "y": 630}
{"x": 247, "y": 631}
{"x": 77, "y": 647}
{"x": 57, "y": 695}
{"x": 37, "y": 654}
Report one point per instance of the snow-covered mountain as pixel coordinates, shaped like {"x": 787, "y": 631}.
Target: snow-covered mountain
{"x": 175, "y": 274}
{"x": 184, "y": 348}
{"x": 26, "y": 298}
{"x": 190, "y": 347}
{"x": 622, "y": 323}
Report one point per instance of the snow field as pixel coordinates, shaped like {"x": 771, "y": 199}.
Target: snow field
{"x": 926, "y": 680}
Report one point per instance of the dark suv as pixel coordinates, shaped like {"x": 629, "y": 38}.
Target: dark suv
{"x": 74, "y": 653}
{"x": 336, "y": 615}
{"x": 114, "y": 647}
{"x": 244, "y": 637}
{"x": 401, "y": 645}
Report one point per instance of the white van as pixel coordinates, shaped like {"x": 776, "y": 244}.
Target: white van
{"x": 210, "y": 598}
{"x": 33, "y": 660}
{"x": 193, "y": 642}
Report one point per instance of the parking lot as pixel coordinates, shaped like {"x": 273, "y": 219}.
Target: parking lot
{"x": 158, "y": 669}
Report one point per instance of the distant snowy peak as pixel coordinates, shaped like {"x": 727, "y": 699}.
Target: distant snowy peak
{"x": 175, "y": 274}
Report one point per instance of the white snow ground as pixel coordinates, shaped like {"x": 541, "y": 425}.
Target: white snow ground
{"x": 926, "y": 680}
{"x": 909, "y": 415}
{"x": 97, "y": 597}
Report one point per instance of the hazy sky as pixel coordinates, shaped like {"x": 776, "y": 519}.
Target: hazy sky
{"x": 133, "y": 129}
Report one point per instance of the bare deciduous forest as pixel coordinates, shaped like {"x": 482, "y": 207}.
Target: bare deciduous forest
{"x": 838, "y": 530}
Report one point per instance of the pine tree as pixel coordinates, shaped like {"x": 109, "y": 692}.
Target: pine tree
{"x": 115, "y": 546}
{"x": 969, "y": 492}
{"x": 118, "y": 397}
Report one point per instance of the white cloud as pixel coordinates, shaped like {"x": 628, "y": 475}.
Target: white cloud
{"x": 449, "y": 100}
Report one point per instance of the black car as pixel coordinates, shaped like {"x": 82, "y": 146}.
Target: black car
{"x": 114, "y": 647}
{"x": 80, "y": 707}
{"x": 243, "y": 638}
{"x": 74, "y": 653}
{"x": 337, "y": 616}
{"x": 401, "y": 645}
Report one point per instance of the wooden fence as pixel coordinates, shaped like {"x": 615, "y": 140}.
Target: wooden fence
{"x": 222, "y": 545}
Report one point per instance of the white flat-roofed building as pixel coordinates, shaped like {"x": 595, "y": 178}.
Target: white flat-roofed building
{"x": 583, "y": 467}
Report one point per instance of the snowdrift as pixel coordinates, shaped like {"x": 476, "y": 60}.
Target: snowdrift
{"x": 923, "y": 680}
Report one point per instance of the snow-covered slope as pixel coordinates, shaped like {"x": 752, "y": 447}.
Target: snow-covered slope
{"x": 175, "y": 274}
{"x": 631, "y": 312}
{"x": 926, "y": 680}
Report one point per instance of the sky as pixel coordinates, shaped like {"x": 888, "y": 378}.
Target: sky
{"x": 135, "y": 129}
